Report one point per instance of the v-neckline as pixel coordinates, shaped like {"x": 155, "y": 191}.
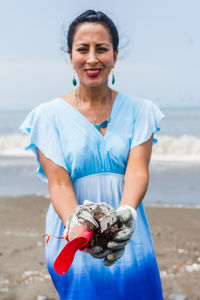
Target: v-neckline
{"x": 88, "y": 122}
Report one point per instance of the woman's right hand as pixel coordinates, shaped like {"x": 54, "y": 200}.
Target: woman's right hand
{"x": 72, "y": 230}
{"x": 73, "y": 227}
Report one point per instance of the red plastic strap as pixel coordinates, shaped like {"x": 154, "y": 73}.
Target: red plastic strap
{"x": 57, "y": 237}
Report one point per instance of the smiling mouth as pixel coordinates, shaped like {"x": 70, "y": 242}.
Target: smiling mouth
{"x": 93, "y": 72}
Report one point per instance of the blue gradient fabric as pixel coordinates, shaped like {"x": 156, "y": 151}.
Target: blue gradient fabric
{"x": 97, "y": 166}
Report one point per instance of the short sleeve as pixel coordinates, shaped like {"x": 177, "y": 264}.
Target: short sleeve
{"x": 44, "y": 136}
{"x": 146, "y": 122}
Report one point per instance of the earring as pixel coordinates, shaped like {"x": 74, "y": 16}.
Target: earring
{"x": 113, "y": 78}
{"x": 74, "y": 80}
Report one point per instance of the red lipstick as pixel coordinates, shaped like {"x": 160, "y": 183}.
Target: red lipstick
{"x": 92, "y": 73}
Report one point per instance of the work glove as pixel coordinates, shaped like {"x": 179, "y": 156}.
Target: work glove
{"x": 77, "y": 222}
{"x": 126, "y": 216}
{"x": 73, "y": 227}
{"x": 98, "y": 252}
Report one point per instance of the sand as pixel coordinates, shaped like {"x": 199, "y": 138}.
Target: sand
{"x": 23, "y": 274}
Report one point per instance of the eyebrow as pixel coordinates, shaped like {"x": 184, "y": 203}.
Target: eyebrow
{"x": 86, "y": 45}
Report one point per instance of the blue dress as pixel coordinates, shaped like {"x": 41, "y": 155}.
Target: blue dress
{"x": 97, "y": 165}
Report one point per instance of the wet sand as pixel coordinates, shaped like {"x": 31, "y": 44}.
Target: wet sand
{"x": 23, "y": 274}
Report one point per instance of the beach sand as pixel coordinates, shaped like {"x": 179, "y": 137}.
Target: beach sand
{"x": 23, "y": 273}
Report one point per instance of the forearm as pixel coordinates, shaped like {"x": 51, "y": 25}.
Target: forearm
{"x": 61, "y": 188}
{"x": 64, "y": 200}
{"x": 136, "y": 177}
{"x": 135, "y": 187}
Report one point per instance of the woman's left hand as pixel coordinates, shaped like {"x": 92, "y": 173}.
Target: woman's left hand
{"x": 126, "y": 216}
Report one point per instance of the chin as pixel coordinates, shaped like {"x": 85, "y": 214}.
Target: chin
{"x": 94, "y": 83}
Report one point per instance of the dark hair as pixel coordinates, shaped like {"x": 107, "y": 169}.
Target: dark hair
{"x": 93, "y": 17}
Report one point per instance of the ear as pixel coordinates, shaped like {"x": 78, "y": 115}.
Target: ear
{"x": 115, "y": 57}
{"x": 70, "y": 55}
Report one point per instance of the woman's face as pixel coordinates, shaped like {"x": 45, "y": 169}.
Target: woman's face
{"x": 92, "y": 55}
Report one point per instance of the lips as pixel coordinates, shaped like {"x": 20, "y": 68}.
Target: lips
{"x": 93, "y": 72}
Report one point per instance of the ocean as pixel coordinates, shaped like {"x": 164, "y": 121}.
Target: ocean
{"x": 174, "y": 168}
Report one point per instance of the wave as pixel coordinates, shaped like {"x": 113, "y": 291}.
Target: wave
{"x": 13, "y": 145}
{"x": 184, "y": 148}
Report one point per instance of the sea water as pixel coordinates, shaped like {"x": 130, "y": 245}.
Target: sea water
{"x": 174, "y": 169}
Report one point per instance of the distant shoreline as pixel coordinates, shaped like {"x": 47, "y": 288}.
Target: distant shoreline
{"x": 172, "y": 184}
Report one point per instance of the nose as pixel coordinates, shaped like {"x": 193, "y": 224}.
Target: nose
{"x": 92, "y": 57}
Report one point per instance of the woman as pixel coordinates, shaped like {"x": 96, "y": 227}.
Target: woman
{"x": 95, "y": 143}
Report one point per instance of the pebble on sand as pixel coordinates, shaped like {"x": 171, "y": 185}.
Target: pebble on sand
{"x": 177, "y": 297}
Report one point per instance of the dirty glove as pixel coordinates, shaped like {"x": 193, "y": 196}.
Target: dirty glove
{"x": 73, "y": 227}
{"x": 77, "y": 222}
{"x": 126, "y": 216}
{"x": 98, "y": 252}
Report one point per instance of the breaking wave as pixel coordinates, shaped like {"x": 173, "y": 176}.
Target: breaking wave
{"x": 13, "y": 145}
{"x": 184, "y": 148}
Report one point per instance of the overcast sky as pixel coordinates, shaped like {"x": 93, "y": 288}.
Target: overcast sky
{"x": 159, "y": 50}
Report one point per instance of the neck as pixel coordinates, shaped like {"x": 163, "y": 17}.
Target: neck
{"x": 92, "y": 94}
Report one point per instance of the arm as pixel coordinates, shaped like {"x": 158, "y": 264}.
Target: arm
{"x": 137, "y": 174}
{"x": 60, "y": 188}
{"x": 135, "y": 185}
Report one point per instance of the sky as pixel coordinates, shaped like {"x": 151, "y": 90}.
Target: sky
{"x": 158, "y": 55}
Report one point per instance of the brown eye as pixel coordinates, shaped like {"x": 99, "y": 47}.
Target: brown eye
{"x": 82, "y": 49}
{"x": 102, "y": 49}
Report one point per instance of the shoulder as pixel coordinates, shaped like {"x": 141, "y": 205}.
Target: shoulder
{"x": 136, "y": 101}
{"x": 135, "y": 104}
{"x": 47, "y": 109}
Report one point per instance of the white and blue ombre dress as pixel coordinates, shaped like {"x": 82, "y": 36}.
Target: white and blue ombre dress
{"x": 97, "y": 165}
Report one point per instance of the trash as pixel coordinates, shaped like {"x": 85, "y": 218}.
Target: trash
{"x": 177, "y": 297}
{"x": 193, "y": 267}
{"x": 181, "y": 251}
{"x": 98, "y": 224}
{"x": 40, "y": 297}
{"x": 99, "y": 214}
{"x": 106, "y": 218}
